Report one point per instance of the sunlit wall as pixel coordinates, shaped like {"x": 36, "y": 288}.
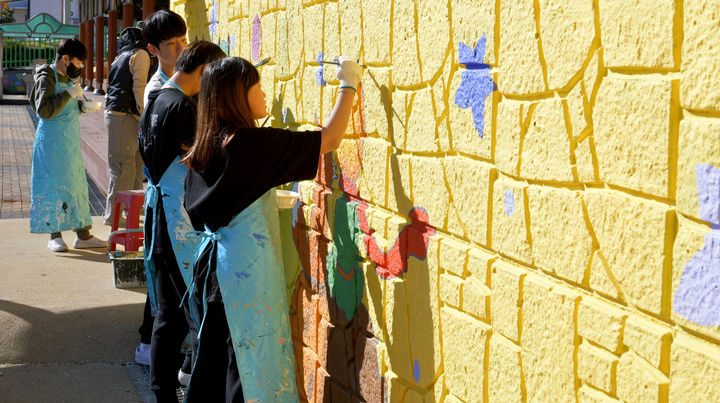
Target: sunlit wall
{"x": 526, "y": 206}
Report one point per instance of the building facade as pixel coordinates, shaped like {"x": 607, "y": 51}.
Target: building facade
{"x": 525, "y": 208}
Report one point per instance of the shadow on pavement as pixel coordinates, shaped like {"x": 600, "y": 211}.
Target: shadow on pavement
{"x": 35, "y": 335}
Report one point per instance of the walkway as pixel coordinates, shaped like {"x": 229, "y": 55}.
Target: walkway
{"x": 17, "y": 133}
{"x": 16, "y": 142}
{"x": 66, "y": 333}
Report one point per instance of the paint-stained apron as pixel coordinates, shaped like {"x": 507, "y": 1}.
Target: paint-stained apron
{"x": 171, "y": 188}
{"x": 252, "y": 283}
{"x": 59, "y": 189}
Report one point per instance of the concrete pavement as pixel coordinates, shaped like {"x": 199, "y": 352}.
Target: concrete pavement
{"x": 66, "y": 333}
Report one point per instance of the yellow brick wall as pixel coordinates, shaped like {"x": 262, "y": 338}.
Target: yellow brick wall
{"x": 526, "y": 206}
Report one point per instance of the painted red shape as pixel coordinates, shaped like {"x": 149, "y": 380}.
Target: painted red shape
{"x": 412, "y": 241}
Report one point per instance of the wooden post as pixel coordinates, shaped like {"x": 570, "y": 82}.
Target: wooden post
{"x": 148, "y": 8}
{"x": 128, "y": 16}
{"x": 90, "y": 54}
{"x": 112, "y": 36}
{"x": 99, "y": 54}
{"x": 83, "y": 39}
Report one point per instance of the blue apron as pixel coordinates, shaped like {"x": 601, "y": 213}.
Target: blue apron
{"x": 59, "y": 189}
{"x": 172, "y": 190}
{"x": 252, "y": 283}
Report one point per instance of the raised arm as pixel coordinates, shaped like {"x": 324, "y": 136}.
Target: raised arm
{"x": 349, "y": 74}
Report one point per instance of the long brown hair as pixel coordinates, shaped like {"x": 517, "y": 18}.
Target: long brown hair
{"x": 222, "y": 108}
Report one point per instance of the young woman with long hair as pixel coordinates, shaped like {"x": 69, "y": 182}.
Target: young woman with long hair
{"x": 245, "y": 350}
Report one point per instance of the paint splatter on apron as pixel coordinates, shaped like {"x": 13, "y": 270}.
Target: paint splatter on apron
{"x": 171, "y": 188}
{"x": 252, "y": 283}
{"x": 59, "y": 189}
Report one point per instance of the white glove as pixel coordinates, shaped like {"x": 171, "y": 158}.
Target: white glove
{"x": 91, "y": 106}
{"x": 75, "y": 91}
{"x": 348, "y": 72}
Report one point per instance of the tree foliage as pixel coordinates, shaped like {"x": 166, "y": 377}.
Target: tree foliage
{"x": 7, "y": 15}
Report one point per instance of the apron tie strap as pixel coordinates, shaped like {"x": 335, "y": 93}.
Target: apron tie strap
{"x": 211, "y": 239}
{"x": 151, "y": 199}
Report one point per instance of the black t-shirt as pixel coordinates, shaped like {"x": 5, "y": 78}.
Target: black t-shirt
{"x": 166, "y": 126}
{"x": 253, "y": 162}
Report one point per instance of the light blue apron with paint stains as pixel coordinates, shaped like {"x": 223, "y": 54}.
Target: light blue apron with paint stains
{"x": 252, "y": 283}
{"x": 172, "y": 190}
{"x": 59, "y": 189}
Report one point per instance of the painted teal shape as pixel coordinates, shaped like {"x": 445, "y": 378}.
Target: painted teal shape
{"x": 345, "y": 278}
{"x": 698, "y": 295}
{"x": 224, "y": 46}
{"x": 476, "y": 82}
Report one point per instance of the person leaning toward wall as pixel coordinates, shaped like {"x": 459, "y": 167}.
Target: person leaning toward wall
{"x": 245, "y": 350}
{"x": 59, "y": 189}
{"x": 123, "y": 106}
{"x": 167, "y": 130}
{"x": 164, "y": 32}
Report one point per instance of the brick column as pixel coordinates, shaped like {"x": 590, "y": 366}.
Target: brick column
{"x": 90, "y": 28}
{"x": 83, "y": 39}
{"x": 112, "y": 37}
{"x": 128, "y": 18}
{"x": 148, "y": 8}
{"x": 99, "y": 54}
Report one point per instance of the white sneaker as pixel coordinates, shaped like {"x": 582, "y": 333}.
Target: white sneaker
{"x": 142, "y": 354}
{"x": 57, "y": 245}
{"x": 183, "y": 378}
{"x": 89, "y": 243}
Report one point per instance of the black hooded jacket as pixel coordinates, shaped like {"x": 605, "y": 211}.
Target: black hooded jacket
{"x": 120, "y": 96}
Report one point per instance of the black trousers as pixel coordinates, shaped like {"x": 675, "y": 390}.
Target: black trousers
{"x": 172, "y": 323}
{"x": 146, "y": 327}
{"x": 215, "y": 377}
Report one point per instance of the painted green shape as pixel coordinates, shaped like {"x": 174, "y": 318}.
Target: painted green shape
{"x": 345, "y": 278}
{"x": 225, "y": 46}
{"x": 290, "y": 257}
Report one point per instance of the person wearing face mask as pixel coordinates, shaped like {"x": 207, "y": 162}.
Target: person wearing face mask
{"x": 59, "y": 189}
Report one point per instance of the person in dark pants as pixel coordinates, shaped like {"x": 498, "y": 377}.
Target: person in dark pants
{"x": 244, "y": 348}
{"x": 167, "y": 127}
{"x": 164, "y": 32}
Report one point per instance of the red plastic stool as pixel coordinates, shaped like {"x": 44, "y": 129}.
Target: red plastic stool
{"x": 133, "y": 200}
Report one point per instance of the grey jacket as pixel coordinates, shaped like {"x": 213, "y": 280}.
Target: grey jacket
{"x": 42, "y": 96}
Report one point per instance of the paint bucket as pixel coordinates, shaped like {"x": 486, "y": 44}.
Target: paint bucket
{"x": 128, "y": 267}
{"x": 286, "y": 198}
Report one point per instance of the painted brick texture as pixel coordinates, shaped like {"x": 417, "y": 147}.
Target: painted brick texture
{"x": 526, "y": 204}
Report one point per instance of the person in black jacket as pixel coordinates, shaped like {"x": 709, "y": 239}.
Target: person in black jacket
{"x": 123, "y": 107}
{"x": 167, "y": 129}
{"x": 245, "y": 352}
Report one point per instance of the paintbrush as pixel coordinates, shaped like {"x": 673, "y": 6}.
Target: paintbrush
{"x": 263, "y": 61}
{"x": 364, "y": 66}
{"x": 265, "y": 121}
